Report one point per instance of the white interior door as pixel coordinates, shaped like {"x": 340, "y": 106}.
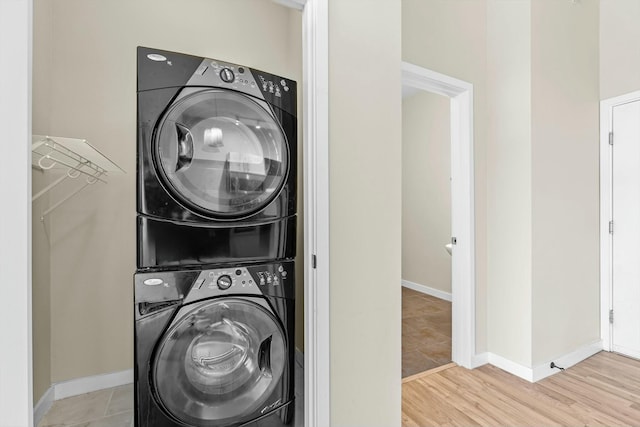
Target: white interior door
{"x": 626, "y": 229}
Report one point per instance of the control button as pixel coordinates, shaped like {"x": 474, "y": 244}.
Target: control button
{"x": 241, "y": 70}
{"x": 286, "y": 88}
{"x": 262, "y": 281}
{"x": 157, "y": 57}
{"x": 224, "y": 282}
{"x": 227, "y": 75}
{"x": 153, "y": 282}
{"x": 269, "y": 279}
{"x": 284, "y": 274}
{"x": 280, "y": 269}
{"x": 238, "y": 272}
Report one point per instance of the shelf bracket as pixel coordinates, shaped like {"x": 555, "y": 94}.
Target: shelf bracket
{"x": 77, "y": 156}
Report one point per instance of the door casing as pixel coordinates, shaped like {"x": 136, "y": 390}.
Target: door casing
{"x": 606, "y": 212}
{"x": 463, "y": 274}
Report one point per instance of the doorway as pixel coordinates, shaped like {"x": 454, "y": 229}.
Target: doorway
{"x": 460, "y": 94}
{"x": 426, "y": 231}
{"x": 620, "y": 223}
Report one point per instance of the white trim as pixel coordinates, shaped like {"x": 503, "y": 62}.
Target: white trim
{"x": 463, "y": 277}
{"x": 511, "y": 367}
{"x": 43, "y": 405}
{"x": 293, "y": 4}
{"x": 427, "y": 290}
{"x": 606, "y": 206}
{"x": 84, "y": 385}
{"x": 479, "y": 360}
{"x": 316, "y": 208}
{"x": 544, "y": 370}
{"x": 16, "y": 367}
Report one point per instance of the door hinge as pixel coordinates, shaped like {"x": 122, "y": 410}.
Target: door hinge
{"x": 314, "y": 261}
{"x": 610, "y": 138}
{"x": 611, "y": 316}
{"x": 610, "y": 227}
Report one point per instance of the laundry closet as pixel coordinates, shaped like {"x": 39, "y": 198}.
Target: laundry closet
{"x": 84, "y": 93}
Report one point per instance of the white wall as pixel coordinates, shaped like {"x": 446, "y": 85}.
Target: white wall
{"x": 426, "y": 190}
{"x": 534, "y": 66}
{"x": 431, "y": 38}
{"x": 15, "y": 219}
{"x": 509, "y": 179}
{"x": 93, "y": 96}
{"x": 565, "y": 176}
{"x": 619, "y": 47}
{"x": 365, "y": 181}
{"x": 543, "y": 178}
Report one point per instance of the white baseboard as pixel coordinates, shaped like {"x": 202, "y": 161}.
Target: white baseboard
{"x": 479, "y": 360}
{"x": 542, "y": 370}
{"x": 84, "y": 385}
{"x": 43, "y": 405}
{"x": 510, "y": 366}
{"x": 427, "y": 290}
{"x": 566, "y": 361}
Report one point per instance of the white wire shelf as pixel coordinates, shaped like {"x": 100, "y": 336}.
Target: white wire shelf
{"x": 77, "y": 156}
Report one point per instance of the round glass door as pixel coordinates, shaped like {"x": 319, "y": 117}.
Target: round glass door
{"x": 220, "y": 362}
{"x": 221, "y": 153}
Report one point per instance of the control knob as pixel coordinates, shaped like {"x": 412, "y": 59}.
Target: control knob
{"x": 224, "y": 282}
{"x": 227, "y": 75}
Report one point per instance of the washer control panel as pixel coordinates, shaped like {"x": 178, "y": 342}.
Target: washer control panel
{"x": 270, "y": 279}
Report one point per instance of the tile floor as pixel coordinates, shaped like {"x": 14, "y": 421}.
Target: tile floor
{"x": 114, "y": 408}
{"x": 104, "y": 408}
{"x": 426, "y": 332}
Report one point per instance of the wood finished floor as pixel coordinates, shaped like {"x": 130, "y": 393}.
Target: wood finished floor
{"x": 603, "y": 390}
{"x": 426, "y": 332}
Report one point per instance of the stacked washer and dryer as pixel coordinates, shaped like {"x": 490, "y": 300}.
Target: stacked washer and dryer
{"x": 216, "y": 233}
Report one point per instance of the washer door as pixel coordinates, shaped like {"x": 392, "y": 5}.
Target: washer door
{"x": 219, "y": 363}
{"x": 221, "y": 153}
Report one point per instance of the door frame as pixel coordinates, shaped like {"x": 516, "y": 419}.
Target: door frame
{"x": 606, "y": 211}
{"x": 16, "y": 386}
{"x": 463, "y": 274}
{"x": 315, "y": 54}
{"x": 315, "y": 82}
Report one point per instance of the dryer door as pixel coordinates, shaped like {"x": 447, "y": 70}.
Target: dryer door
{"x": 221, "y": 153}
{"x": 220, "y": 362}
